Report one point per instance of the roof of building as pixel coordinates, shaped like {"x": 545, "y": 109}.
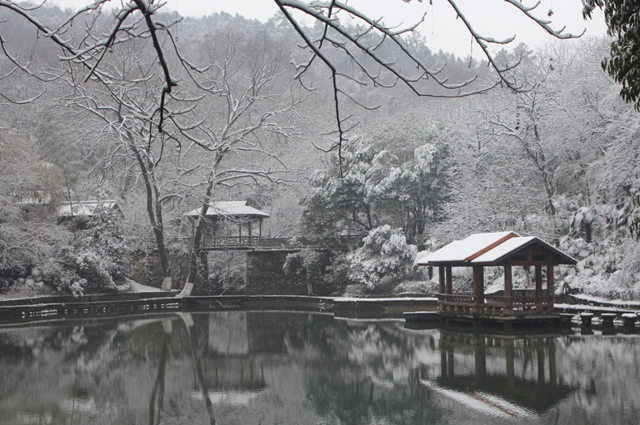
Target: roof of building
{"x": 84, "y": 208}
{"x": 487, "y": 249}
{"x": 229, "y": 209}
{"x": 34, "y": 197}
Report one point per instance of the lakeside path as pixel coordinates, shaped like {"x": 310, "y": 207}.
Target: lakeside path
{"x": 60, "y": 307}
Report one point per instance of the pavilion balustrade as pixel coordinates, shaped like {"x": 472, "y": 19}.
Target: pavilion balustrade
{"x": 521, "y": 302}
{"x": 232, "y": 241}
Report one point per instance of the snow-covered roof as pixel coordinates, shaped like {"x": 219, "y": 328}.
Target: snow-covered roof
{"x": 229, "y": 209}
{"x": 34, "y": 197}
{"x": 486, "y": 248}
{"x": 503, "y": 249}
{"x": 84, "y": 208}
{"x": 465, "y": 249}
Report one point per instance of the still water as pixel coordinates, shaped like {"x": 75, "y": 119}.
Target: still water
{"x": 303, "y": 368}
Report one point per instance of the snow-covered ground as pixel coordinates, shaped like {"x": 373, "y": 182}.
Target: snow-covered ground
{"x": 24, "y": 291}
{"x": 32, "y": 291}
{"x": 593, "y": 298}
{"x": 139, "y": 287}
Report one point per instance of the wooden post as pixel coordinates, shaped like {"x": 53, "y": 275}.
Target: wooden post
{"x": 508, "y": 289}
{"x": 239, "y": 233}
{"x": 442, "y": 287}
{"x": 250, "y": 225}
{"x": 447, "y": 270}
{"x": 478, "y": 287}
{"x": 538, "y": 269}
{"x": 550, "y": 283}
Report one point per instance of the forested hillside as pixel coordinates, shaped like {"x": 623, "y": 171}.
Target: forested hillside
{"x": 558, "y": 160}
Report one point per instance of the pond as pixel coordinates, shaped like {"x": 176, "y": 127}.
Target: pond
{"x": 305, "y": 368}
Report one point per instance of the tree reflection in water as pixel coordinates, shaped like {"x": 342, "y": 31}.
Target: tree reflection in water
{"x": 301, "y": 368}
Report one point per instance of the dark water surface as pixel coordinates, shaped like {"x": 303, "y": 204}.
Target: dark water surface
{"x": 302, "y": 368}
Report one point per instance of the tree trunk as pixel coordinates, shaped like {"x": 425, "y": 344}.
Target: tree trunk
{"x": 198, "y": 269}
{"x": 154, "y": 212}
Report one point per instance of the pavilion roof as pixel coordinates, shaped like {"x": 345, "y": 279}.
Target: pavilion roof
{"x": 488, "y": 249}
{"x": 84, "y": 208}
{"x": 229, "y": 209}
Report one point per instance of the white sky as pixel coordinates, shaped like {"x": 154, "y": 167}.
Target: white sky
{"x": 492, "y": 18}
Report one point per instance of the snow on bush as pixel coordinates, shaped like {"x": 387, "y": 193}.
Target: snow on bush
{"x": 608, "y": 258}
{"x": 322, "y": 272}
{"x": 96, "y": 260}
{"x": 385, "y": 252}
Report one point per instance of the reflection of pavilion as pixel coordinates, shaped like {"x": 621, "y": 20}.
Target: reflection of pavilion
{"x": 228, "y": 365}
{"x": 505, "y": 376}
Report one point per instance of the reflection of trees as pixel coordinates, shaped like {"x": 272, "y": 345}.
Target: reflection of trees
{"x": 192, "y": 332}
{"x": 67, "y": 373}
{"x": 261, "y": 367}
{"x": 157, "y": 393}
{"x": 362, "y": 373}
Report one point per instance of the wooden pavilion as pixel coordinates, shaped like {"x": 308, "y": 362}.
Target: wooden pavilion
{"x": 222, "y": 217}
{"x": 501, "y": 249}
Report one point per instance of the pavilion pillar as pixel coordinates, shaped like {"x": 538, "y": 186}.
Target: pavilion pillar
{"x": 508, "y": 289}
{"x": 447, "y": 270}
{"x": 478, "y": 287}
{"x": 250, "y": 225}
{"x": 260, "y": 228}
{"x": 550, "y": 283}
{"x": 442, "y": 288}
{"x": 538, "y": 274}
{"x": 239, "y": 233}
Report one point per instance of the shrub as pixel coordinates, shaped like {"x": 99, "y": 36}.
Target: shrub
{"x": 322, "y": 272}
{"x": 96, "y": 260}
{"x": 384, "y": 253}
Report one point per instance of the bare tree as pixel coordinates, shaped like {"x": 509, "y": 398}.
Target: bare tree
{"x": 142, "y": 107}
{"x": 127, "y": 109}
{"x": 238, "y": 133}
{"x": 366, "y": 43}
{"x": 361, "y": 43}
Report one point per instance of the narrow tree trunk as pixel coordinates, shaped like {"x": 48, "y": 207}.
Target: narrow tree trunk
{"x": 198, "y": 272}
{"x": 154, "y": 212}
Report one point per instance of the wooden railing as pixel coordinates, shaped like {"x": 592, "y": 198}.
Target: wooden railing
{"x": 522, "y": 302}
{"x": 290, "y": 242}
{"x": 232, "y": 241}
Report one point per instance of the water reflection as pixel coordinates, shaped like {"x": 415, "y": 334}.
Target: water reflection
{"x": 504, "y": 376}
{"x": 301, "y": 368}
